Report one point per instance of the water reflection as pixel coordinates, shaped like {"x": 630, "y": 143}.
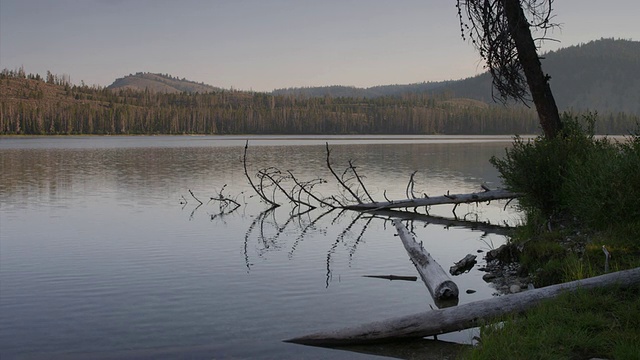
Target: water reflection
{"x": 101, "y": 233}
{"x": 266, "y": 228}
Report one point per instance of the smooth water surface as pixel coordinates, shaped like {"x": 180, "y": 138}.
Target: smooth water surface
{"x": 100, "y": 256}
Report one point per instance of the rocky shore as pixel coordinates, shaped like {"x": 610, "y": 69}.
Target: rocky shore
{"x": 504, "y": 272}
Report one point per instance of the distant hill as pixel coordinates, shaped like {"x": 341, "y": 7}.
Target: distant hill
{"x": 601, "y": 75}
{"x": 162, "y": 83}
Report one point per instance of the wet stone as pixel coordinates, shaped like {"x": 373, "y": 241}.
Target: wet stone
{"x": 488, "y": 277}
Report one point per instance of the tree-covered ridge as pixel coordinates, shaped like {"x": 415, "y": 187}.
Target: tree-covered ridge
{"x": 600, "y": 76}
{"x": 33, "y": 106}
{"x": 30, "y": 105}
{"x": 164, "y": 83}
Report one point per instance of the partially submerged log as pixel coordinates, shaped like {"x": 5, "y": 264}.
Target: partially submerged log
{"x": 392, "y": 277}
{"x": 463, "y": 265}
{"x": 438, "y": 282}
{"x": 461, "y": 317}
{"x": 437, "y": 200}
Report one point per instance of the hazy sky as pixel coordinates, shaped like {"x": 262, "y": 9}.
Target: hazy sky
{"x": 267, "y": 44}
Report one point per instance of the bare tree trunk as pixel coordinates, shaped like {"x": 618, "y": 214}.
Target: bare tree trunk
{"x": 460, "y": 317}
{"x": 438, "y": 282}
{"x": 538, "y": 82}
{"x": 498, "y": 194}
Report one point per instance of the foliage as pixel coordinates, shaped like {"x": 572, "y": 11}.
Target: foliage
{"x": 602, "y": 323}
{"x": 491, "y": 28}
{"x": 575, "y": 177}
{"x": 579, "y": 193}
{"x": 601, "y": 187}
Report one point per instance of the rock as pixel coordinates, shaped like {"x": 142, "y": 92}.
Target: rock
{"x": 488, "y": 277}
{"x": 470, "y": 291}
{"x": 506, "y": 253}
{"x": 514, "y": 289}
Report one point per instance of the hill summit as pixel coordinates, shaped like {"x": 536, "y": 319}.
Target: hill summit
{"x": 162, "y": 83}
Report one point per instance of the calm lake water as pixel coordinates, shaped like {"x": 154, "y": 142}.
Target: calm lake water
{"x": 101, "y": 258}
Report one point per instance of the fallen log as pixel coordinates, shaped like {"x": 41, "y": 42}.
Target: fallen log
{"x": 463, "y": 265}
{"x": 392, "y": 277}
{"x": 461, "y": 317}
{"x": 436, "y": 200}
{"x": 438, "y": 282}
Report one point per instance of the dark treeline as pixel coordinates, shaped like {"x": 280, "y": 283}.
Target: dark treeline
{"x": 33, "y": 105}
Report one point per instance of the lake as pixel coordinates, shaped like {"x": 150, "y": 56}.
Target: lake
{"x": 104, "y": 252}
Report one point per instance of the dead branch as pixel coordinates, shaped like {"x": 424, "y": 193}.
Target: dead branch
{"x": 307, "y": 188}
{"x": 246, "y": 173}
{"x": 226, "y": 205}
{"x": 410, "y": 186}
{"x": 271, "y": 175}
{"x": 364, "y": 188}
{"x": 338, "y": 178}
{"x": 198, "y": 200}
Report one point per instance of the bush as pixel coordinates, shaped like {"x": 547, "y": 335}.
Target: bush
{"x": 575, "y": 176}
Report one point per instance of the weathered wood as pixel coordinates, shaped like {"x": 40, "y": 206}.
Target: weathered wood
{"x": 463, "y": 265}
{"x": 392, "y": 277}
{"x": 461, "y": 317}
{"x": 437, "y": 200}
{"x": 438, "y": 282}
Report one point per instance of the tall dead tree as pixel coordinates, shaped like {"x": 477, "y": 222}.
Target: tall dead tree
{"x": 501, "y": 30}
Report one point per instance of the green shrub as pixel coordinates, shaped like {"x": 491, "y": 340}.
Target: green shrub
{"x": 575, "y": 176}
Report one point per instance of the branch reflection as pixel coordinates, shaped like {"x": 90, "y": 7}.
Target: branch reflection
{"x": 273, "y": 233}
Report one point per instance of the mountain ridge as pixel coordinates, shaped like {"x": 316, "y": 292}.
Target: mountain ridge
{"x": 600, "y": 75}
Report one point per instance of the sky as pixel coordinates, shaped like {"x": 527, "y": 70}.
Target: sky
{"x": 262, "y": 45}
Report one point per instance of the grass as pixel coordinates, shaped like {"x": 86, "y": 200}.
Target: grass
{"x": 584, "y": 324}
{"x": 580, "y": 194}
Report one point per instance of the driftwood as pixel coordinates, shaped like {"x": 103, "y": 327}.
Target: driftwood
{"x": 461, "y": 317}
{"x": 392, "y": 277}
{"x": 463, "y": 265}
{"x": 483, "y": 196}
{"x": 352, "y": 191}
{"x": 438, "y": 282}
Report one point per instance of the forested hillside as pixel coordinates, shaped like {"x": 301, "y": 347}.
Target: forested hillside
{"x": 163, "y": 83}
{"x": 30, "y": 105}
{"x": 600, "y": 76}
